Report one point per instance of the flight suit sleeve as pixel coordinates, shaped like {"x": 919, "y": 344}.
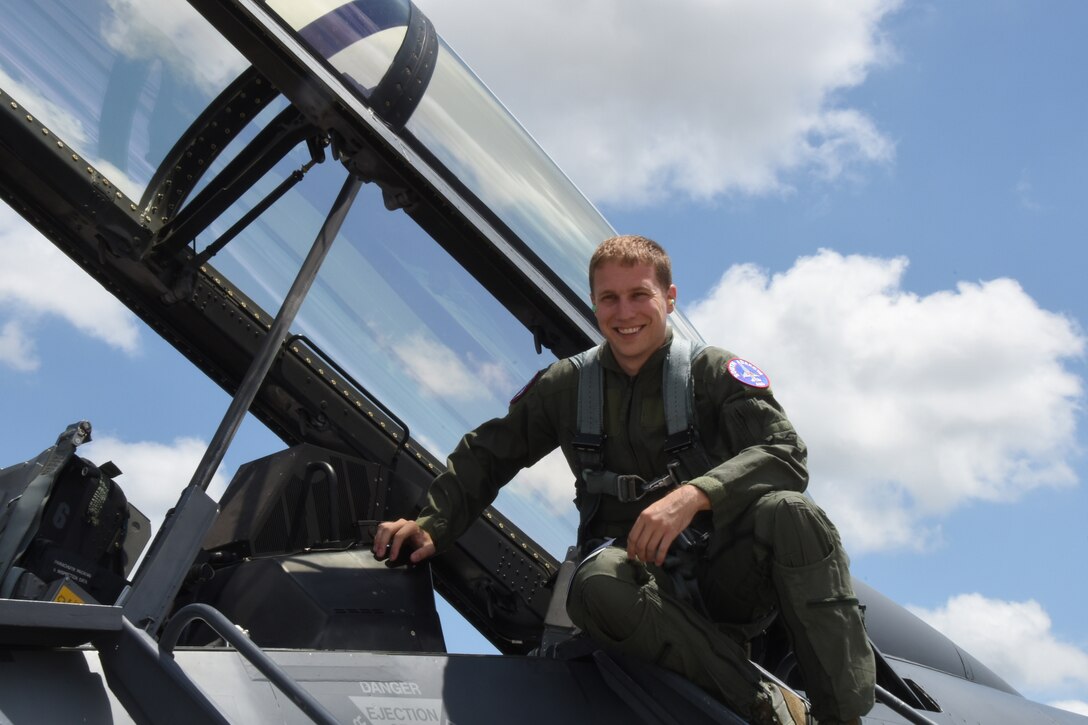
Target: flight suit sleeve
{"x": 750, "y": 433}
{"x": 486, "y": 459}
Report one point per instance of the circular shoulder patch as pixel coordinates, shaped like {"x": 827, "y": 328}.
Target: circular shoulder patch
{"x": 748, "y": 373}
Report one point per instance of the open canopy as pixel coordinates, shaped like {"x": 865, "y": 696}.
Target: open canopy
{"x": 184, "y": 178}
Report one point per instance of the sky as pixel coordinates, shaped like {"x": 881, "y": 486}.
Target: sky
{"x": 879, "y": 203}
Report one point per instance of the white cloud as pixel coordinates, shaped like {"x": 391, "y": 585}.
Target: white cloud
{"x": 1078, "y": 706}
{"x": 495, "y": 377}
{"x": 637, "y": 100}
{"x": 153, "y": 30}
{"x": 58, "y": 120}
{"x": 16, "y": 349}
{"x": 67, "y": 127}
{"x": 37, "y": 279}
{"x": 1014, "y": 639}
{"x": 441, "y": 373}
{"x": 153, "y": 474}
{"x": 911, "y": 405}
{"x": 551, "y": 477}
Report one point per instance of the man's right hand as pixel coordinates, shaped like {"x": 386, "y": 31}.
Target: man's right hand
{"x": 393, "y": 536}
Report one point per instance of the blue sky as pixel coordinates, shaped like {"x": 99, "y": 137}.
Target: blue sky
{"x": 880, "y": 203}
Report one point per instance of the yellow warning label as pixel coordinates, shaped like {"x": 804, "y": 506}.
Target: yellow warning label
{"x": 66, "y": 595}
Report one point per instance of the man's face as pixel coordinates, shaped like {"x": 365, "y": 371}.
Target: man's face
{"x": 631, "y": 310}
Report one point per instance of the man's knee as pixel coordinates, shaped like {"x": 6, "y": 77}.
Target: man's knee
{"x": 600, "y": 604}
{"x": 606, "y": 596}
{"x": 798, "y": 531}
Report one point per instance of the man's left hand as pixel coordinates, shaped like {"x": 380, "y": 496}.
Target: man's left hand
{"x": 662, "y": 521}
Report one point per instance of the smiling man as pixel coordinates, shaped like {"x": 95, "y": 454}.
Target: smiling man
{"x": 689, "y": 481}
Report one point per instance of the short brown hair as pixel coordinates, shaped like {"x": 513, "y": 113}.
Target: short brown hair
{"x": 629, "y": 250}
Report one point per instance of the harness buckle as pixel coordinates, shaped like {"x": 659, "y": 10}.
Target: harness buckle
{"x": 587, "y": 442}
{"x": 629, "y": 487}
{"x": 680, "y": 441}
{"x": 673, "y": 468}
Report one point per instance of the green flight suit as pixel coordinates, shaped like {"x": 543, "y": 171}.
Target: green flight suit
{"x": 771, "y": 547}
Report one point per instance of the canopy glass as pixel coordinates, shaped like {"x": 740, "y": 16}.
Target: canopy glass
{"x": 119, "y": 82}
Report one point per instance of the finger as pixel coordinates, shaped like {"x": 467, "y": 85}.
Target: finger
{"x": 633, "y": 540}
{"x": 384, "y": 536}
{"x": 425, "y": 551}
{"x": 399, "y": 539}
{"x": 643, "y": 551}
{"x": 636, "y": 544}
{"x": 645, "y": 542}
{"x": 663, "y": 549}
{"x": 381, "y": 539}
{"x": 649, "y": 547}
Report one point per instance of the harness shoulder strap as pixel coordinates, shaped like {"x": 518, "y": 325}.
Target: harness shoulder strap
{"x": 590, "y": 391}
{"x": 682, "y": 442}
{"x": 682, "y": 439}
{"x": 589, "y": 435}
{"x": 677, "y": 386}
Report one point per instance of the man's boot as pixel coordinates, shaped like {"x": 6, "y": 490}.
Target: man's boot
{"x": 777, "y": 705}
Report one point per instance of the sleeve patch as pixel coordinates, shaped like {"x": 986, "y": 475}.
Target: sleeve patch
{"x": 747, "y": 373}
{"x": 518, "y": 396}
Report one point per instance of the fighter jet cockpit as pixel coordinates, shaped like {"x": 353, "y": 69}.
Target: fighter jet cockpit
{"x": 322, "y": 207}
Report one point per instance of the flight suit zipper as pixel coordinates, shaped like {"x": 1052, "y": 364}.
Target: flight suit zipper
{"x": 631, "y": 418}
{"x": 634, "y": 433}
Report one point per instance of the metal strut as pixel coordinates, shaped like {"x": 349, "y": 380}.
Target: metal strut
{"x": 258, "y": 369}
{"x": 174, "y": 549}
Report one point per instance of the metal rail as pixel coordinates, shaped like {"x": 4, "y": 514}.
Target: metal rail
{"x": 256, "y": 656}
{"x": 901, "y": 708}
